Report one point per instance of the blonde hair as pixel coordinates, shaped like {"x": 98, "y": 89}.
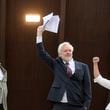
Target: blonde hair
{"x": 62, "y": 45}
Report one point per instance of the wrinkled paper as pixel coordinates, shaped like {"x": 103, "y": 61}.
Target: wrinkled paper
{"x": 51, "y": 22}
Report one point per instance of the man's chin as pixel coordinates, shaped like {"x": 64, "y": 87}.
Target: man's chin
{"x": 68, "y": 59}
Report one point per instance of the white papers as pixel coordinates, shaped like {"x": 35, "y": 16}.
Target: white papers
{"x": 51, "y": 22}
{"x": 1, "y": 75}
{"x": 108, "y": 107}
{"x": 47, "y": 18}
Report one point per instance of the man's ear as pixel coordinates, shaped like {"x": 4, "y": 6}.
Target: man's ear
{"x": 59, "y": 55}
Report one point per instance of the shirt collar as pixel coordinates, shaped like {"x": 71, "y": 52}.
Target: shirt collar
{"x": 71, "y": 61}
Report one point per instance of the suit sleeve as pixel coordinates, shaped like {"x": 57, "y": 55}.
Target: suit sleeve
{"x": 87, "y": 87}
{"x": 44, "y": 54}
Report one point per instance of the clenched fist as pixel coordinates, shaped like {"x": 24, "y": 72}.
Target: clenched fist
{"x": 96, "y": 59}
{"x": 40, "y": 30}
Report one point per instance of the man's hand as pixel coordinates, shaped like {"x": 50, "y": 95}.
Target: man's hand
{"x": 96, "y": 59}
{"x": 40, "y": 30}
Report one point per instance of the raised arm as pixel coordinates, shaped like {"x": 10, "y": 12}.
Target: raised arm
{"x": 39, "y": 36}
{"x": 95, "y": 67}
{"x": 44, "y": 55}
{"x": 97, "y": 76}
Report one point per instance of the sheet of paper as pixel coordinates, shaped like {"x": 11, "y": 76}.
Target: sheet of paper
{"x": 1, "y": 75}
{"x": 51, "y": 22}
{"x": 47, "y": 18}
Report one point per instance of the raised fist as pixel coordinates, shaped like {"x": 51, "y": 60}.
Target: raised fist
{"x": 40, "y": 30}
{"x": 95, "y": 59}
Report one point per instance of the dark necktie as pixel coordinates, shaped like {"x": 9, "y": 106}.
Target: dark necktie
{"x": 69, "y": 71}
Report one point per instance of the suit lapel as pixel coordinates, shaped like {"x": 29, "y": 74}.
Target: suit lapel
{"x": 77, "y": 67}
{"x": 62, "y": 65}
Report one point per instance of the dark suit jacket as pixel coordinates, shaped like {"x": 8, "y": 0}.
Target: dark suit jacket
{"x": 78, "y": 87}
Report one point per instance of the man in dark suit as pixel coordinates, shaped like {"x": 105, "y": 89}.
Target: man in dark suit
{"x": 71, "y": 87}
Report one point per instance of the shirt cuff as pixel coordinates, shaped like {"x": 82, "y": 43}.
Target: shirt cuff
{"x": 39, "y": 39}
{"x": 97, "y": 79}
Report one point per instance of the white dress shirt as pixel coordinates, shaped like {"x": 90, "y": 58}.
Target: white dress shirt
{"x": 39, "y": 39}
{"x": 105, "y": 83}
{"x": 1, "y": 75}
{"x": 102, "y": 81}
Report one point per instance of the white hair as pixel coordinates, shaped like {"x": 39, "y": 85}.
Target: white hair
{"x": 62, "y": 45}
